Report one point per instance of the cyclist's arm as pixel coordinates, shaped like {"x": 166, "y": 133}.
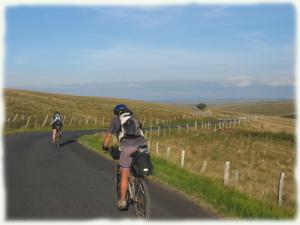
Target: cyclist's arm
{"x": 107, "y": 138}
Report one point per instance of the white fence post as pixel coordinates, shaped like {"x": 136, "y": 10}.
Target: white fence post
{"x": 157, "y": 147}
{"x": 195, "y": 125}
{"x": 182, "y": 158}
{"x": 280, "y": 188}
{"x": 226, "y": 173}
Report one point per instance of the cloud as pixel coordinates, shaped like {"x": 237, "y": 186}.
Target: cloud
{"x": 240, "y": 81}
{"x": 247, "y": 81}
{"x": 144, "y": 17}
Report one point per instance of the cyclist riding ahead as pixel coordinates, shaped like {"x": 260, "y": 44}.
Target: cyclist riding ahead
{"x": 130, "y": 135}
{"x": 57, "y": 124}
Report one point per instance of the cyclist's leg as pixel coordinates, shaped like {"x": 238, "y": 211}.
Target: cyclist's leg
{"x": 53, "y": 133}
{"x": 125, "y": 172}
{"x": 125, "y": 163}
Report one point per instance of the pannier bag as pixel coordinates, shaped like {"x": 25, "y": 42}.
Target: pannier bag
{"x": 115, "y": 153}
{"x": 141, "y": 162}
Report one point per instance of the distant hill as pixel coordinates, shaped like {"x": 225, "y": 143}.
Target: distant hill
{"x": 38, "y": 105}
{"x": 268, "y": 108}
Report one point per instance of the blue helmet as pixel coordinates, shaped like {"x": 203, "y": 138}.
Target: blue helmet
{"x": 120, "y": 108}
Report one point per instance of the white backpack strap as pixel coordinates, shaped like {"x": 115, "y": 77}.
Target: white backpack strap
{"x": 123, "y": 118}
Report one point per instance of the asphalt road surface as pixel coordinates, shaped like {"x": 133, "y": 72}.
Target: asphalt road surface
{"x": 42, "y": 182}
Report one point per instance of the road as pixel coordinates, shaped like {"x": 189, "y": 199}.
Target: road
{"x": 42, "y": 182}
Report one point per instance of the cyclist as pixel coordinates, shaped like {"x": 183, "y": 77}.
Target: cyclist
{"x": 57, "y": 125}
{"x": 130, "y": 135}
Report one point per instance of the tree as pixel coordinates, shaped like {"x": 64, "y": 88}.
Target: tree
{"x": 201, "y": 106}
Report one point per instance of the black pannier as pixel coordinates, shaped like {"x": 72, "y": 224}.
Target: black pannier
{"x": 115, "y": 153}
{"x": 141, "y": 161}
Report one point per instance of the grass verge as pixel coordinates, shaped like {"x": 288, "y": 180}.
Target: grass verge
{"x": 225, "y": 200}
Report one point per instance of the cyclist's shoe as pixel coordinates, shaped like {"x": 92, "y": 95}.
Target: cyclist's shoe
{"x": 122, "y": 205}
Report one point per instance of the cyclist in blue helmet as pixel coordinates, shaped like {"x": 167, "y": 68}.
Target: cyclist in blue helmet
{"x": 129, "y": 137}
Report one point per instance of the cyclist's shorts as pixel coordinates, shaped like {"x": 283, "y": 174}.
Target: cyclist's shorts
{"x": 56, "y": 125}
{"x": 125, "y": 158}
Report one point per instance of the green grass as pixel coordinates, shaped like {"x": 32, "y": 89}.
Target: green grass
{"x": 8, "y": 131}
{"x": 226, "y": 200}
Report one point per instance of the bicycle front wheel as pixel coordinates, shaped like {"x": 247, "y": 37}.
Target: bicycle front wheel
{"x": 142, "y": 200}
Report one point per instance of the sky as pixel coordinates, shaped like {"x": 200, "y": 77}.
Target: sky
{"x": 186, "y": 52}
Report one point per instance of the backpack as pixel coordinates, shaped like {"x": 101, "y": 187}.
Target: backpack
{"x": 141, "y": 162}
{"x": 130, "y": 127}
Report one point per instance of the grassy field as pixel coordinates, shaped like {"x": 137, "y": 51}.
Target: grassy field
{"x": 257, "y": 157}
{"x": 274, "y": 108}
{"x": 207, "y": 192}
{"x": 80, "y": 111}
{"x": 258, "y": 147}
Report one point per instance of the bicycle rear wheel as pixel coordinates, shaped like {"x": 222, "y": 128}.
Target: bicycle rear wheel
{"x": 57, "y": 140}
{"x": 141, "y": 202}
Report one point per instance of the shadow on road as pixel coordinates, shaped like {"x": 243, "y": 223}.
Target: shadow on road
{"x": 67, "y": 142}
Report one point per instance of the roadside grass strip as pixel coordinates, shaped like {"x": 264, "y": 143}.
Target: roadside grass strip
{"x": 226, "y": 200}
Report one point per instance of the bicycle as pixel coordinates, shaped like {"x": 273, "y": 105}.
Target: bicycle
{"x": 57, "y": 137}
{"x": 138, "y": 190}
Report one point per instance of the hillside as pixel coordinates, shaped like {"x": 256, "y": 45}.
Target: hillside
{"x": 78, "y": 110}
{"x": 271, "y": 108}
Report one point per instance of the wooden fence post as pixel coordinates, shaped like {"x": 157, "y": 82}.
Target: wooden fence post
{"x": 182, "y": 158}
{"x": 280, "y": 188}
{"x": 64, "y": 119}
{"x": 71, "y": 121}
{"x": 27, "y": 122}
{"x": 157, "y": 147}
{"x": 45, "y": 120}
{"x": 204, "y": 166}
{"x": 15, "y": 118}
{"x": 237, "y": 176}
{"x": 143, "y": 124}
{"x": 168, "y": 152}
{"x": 158, "y": 131}
{"x": 187, "y": 128}
{"x": 149, "y": 146}
{"x": 226, "y": 173}
{"x": 195, "y": 125}
{"x": 103, "y": 121}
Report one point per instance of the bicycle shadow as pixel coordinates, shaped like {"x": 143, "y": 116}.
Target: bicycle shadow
{"x": 67, "y": 142}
